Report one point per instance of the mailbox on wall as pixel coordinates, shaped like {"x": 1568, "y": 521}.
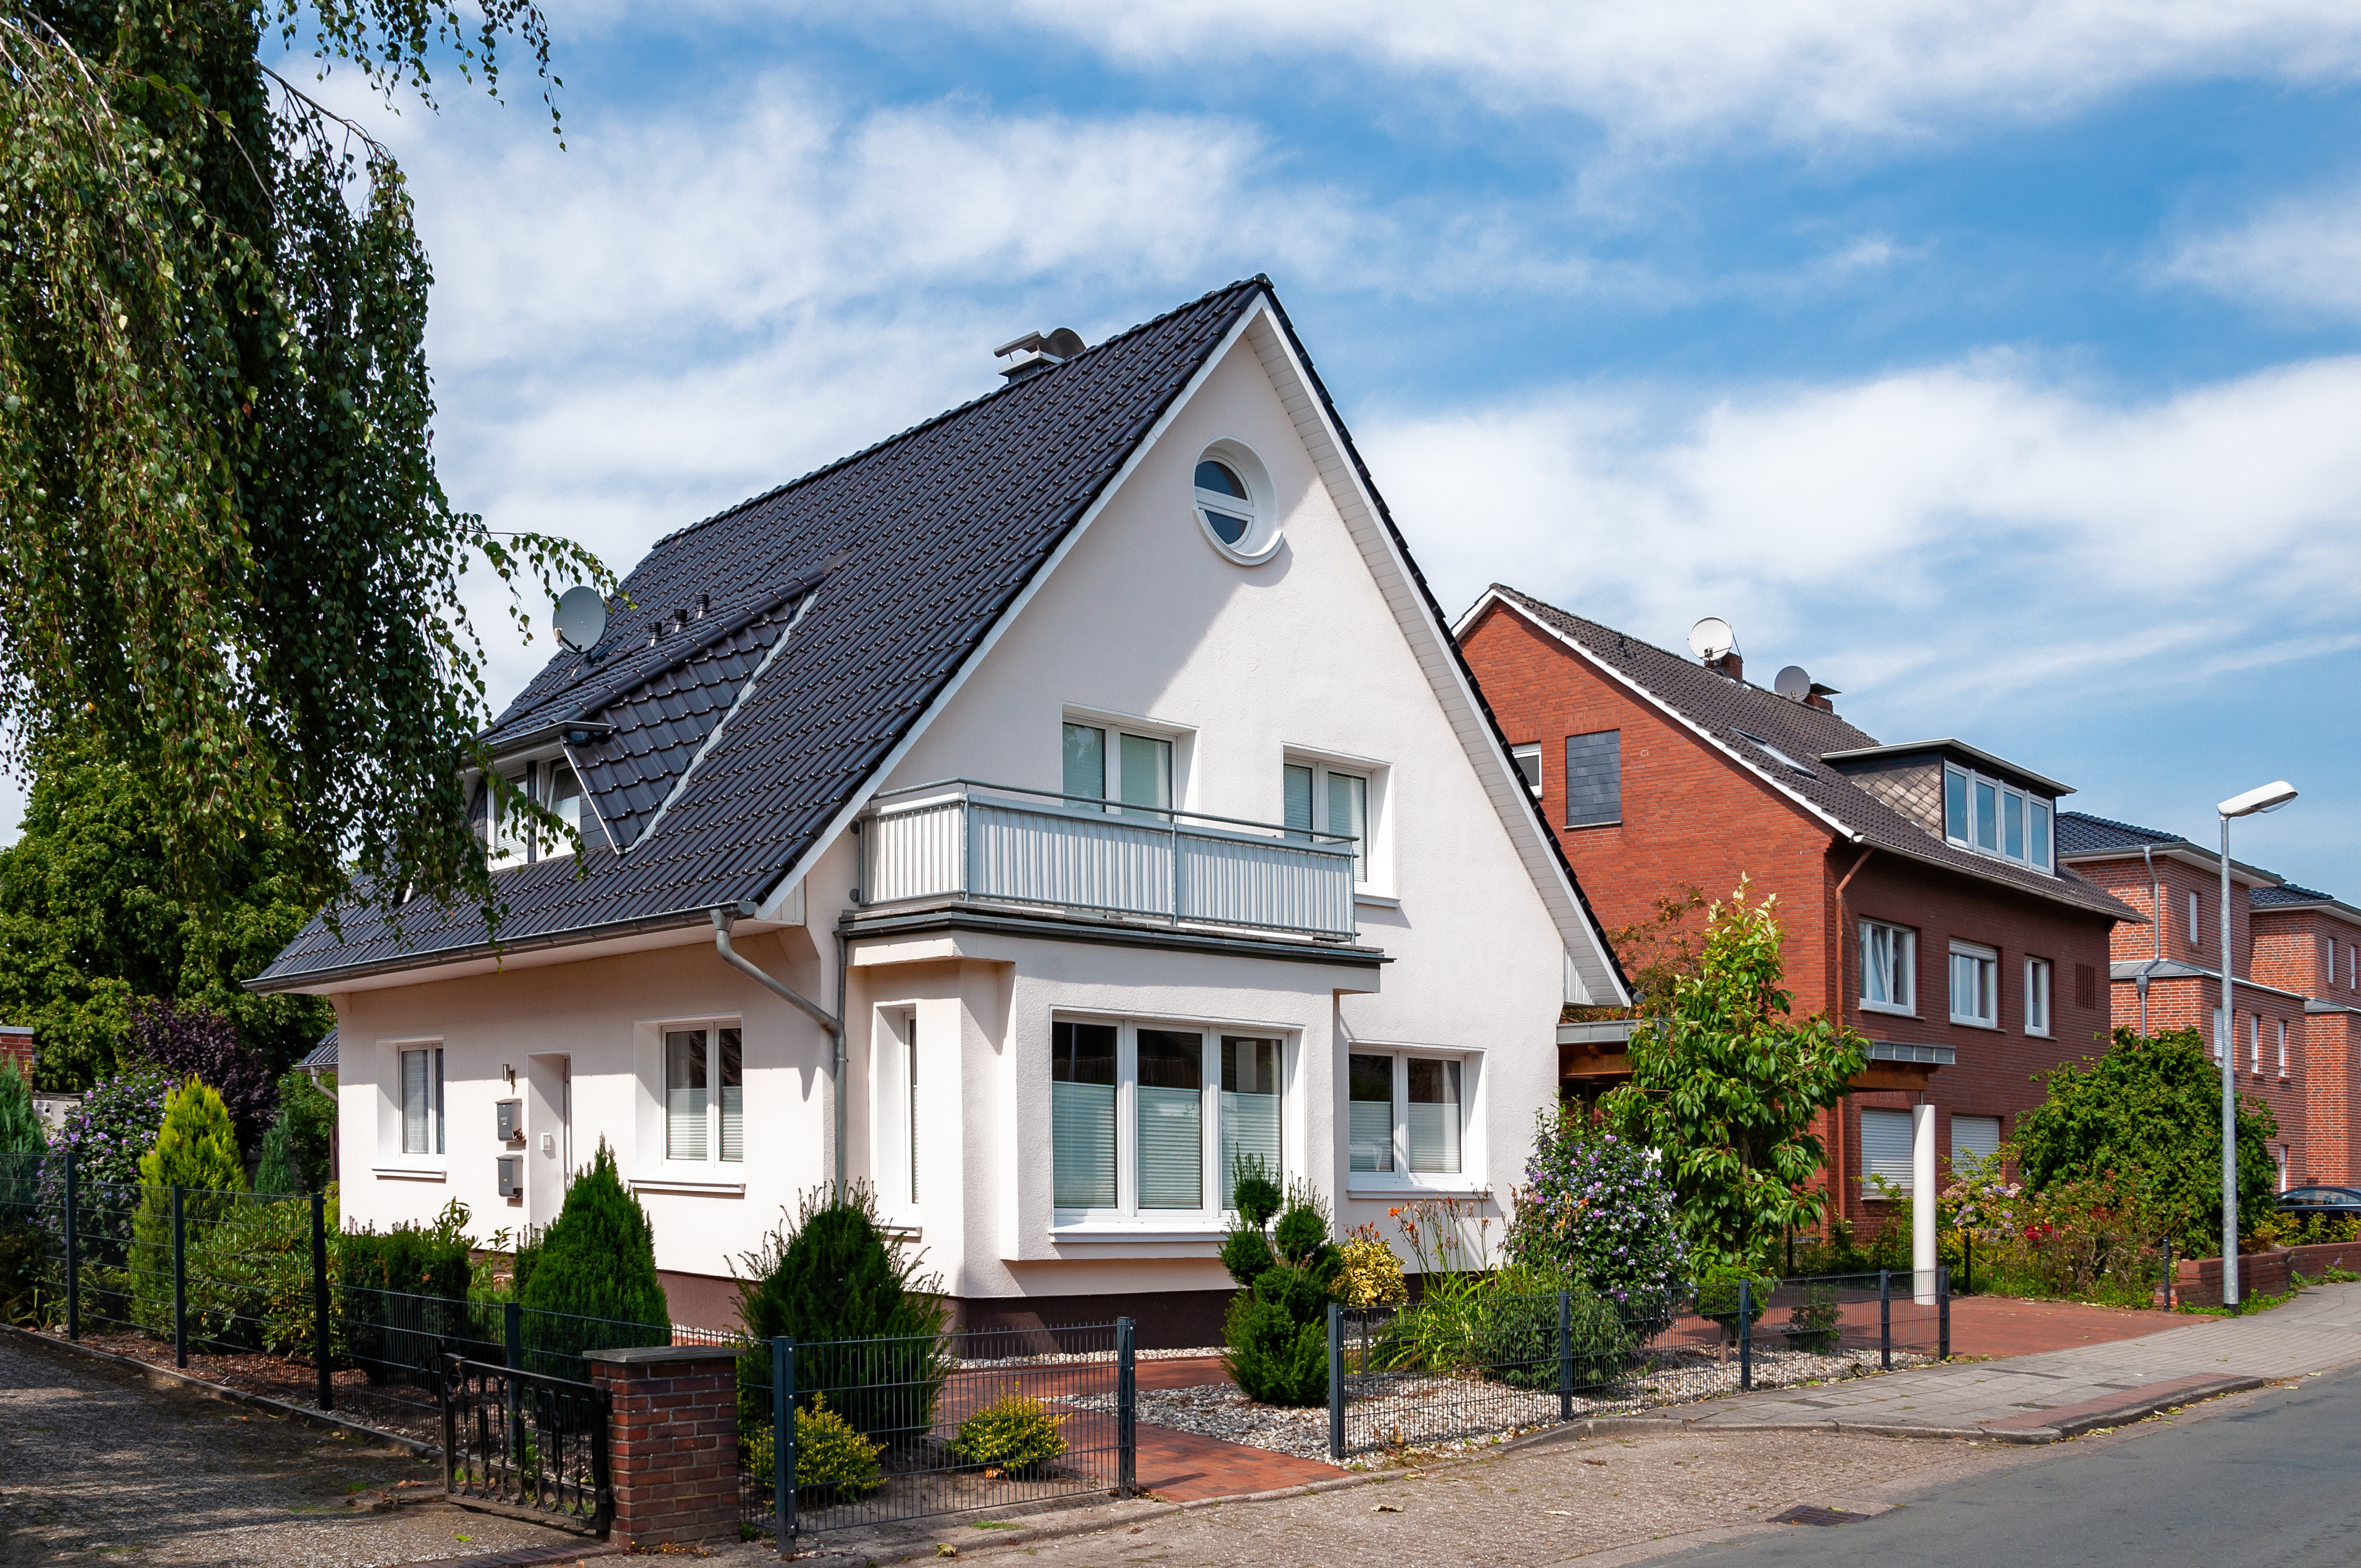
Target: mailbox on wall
{"x": 513, "y": 1176}
{"x": 512, "y": 1120}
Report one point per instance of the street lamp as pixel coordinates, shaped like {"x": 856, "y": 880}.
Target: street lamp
{"x": 2254, "y": 802}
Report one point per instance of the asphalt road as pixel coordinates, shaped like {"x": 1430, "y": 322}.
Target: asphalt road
{"x": 2271, "y": 1485}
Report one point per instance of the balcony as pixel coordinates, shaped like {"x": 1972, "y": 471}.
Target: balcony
{"x": 962, "y": 842}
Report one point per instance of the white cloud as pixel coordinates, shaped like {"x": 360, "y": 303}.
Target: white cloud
{"x": 2304, "y": 254}
{"x": 1977, "y": 529}
{"x": 1803, "y": 69}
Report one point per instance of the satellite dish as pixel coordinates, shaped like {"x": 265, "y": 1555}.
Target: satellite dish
{"x": 1711, "y": 638}
{"x": 1795, "y": 682}
{"x": 581, "y": 618}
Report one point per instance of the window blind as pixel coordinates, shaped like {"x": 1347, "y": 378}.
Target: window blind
{"x": 1885, "y": 1147}
{"x": 685, "y": 1090}
{"x": 1978, "y": 1137}
{"x": 417, "y": 1101}
{"x": 1433, "y": 1116}
{"x": 1370, "y": 1112}
{"x": 1250, "y": 1124}
{"x": 732, "y": 1074}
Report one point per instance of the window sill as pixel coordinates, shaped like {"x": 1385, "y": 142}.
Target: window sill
{"x": 1382, "y": 900}
{"x": 1578, "y": 827}
{"x": 1116, "y": 1233}
{"x": 1890, "y": 1010}
{"x": 408, "y": 1173}
{"x": 1369, "y": 1185}
{"x": 695, "y": 1187}
{"x": 2038, "y": 1034}
{"x": 1973, "y": 1022}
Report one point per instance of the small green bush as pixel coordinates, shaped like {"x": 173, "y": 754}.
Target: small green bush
{"x": 1012, "y": 1434}
{"x": 375, "y": 1268}
{"x": 1814, "y": 1323}
{"x": 1512, "y": 1331}
{"x": 832, "y": 1277}
{"x": 1718, "y": 1297}
{"x": 1276, "y": 1330}
{"x": 274, "y": 1168}
{"x": 833, "y": 1461}
{"x": 23, "y": 1266}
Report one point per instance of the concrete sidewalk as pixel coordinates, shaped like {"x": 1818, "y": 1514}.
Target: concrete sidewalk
{"x": 2044, "y": 1397}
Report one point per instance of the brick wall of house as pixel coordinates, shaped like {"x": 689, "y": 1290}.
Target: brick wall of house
{"x": 2331, "y": 1128}
{"x": 2128, "y": 879}
{"x": 1691, "y": 816}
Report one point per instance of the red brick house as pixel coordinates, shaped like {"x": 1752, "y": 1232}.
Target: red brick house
{"x": 2296, "y": 954}
{"x": 1922, "y": 902}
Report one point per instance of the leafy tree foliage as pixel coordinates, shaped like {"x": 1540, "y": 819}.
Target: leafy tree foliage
{"x": 307, "y": 1114}
{"x": 222, "y": 545}
{"x": 1595, "y": 1208}
{"x": 1726, "y": 1084}
{"x": 92, "y": 921}
{"x": 2149, "y": 1112}
{"x": 194, "y": 1041}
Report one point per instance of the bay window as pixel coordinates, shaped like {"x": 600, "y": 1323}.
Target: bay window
{"x": 1153, "y": 1120}
{"x": 421, "y": 1101}
{"x": 705, "y": 1095}
{"x": 1990, "y": 818}
{"x": 894, "y": 1055}
{"x": 1975, "y": 985}
{"x": 1405, "y": 1113}
{"x": 1888, "y": 961}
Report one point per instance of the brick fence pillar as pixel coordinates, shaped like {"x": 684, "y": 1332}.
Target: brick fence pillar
{"x": 673, "y": 1445}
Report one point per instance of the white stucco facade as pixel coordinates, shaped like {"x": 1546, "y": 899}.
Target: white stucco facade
{"x": 1325, "y": 655}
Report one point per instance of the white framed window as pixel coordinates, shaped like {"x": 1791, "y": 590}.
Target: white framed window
{"x": 2196, "y": 916}
{"x": 1977, "y": 1137}
{"x": 1885, "y": 1150}
{"x": 1889, "y": 967}
{"x": 1529, "y": 765}
{"x": 509, "y": 835}
{"x": 1975, "y": 985}
{"x": 1148, "y": 1120}
{"x": 1335, "y": 801}
{"x": 1990, "y": 818}
{"x": 893, "y": 1057}
{"x": 1237, "y": 505}
{"x": 509, "y": 841}
{"x": 1131, "y": 772}
{"x": 1405, "y": 1113}
{"x": 705, "y": 1093}
{"x": 565, "y": 798}
{"x": 2254, "y": 1044}
{"x": 2036, "y": 997}
{"x": 2283, "y": 1054}
{"x": 422, "y": 1100}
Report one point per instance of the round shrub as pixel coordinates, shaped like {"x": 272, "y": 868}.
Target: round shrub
{"x": 1276, "y": 1332}
{"x": 1512, "y": 1326}
{"x": 1011, "y": 1434}
{"x": 1367, "y": 1272}
{"x": 1595, "y": 1207}
{"x": 1718, "y": 1297}
{"x": 833, "y": 1461}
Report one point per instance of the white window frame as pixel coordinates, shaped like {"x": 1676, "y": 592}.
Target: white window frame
{"x": 1901, "y": 1185}
{"x": 2254, "y": 1044}
{"x": 1371, "y": 872}
{"x": 2283, "y": 1050}
{"x": 1989, "y": 1002}
{"x": 1521, "y": 755}
{"x": 1112, "y": 727}
{"x": 2040, "y": 849}
{"x": 436, "y": 1110}
{"x": 2040, "y": 995}
{"x": 1402, "y": 1177}
{"x": 712, "y": 1163}
{"x": 1904, "y": 942}
{"x": 2196, "y": 915}
{"x": 1264, "y": 532}
{"x": 1209, "y": 1216}
{"x": 895, "y": 1117}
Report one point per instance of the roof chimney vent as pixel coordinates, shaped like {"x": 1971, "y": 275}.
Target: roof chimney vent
{"x": 1039, "y": 351}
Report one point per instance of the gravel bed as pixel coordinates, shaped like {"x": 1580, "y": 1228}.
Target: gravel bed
{"x": 1443, "y": 1415}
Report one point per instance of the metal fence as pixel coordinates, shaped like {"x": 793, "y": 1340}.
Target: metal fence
{"x": 527, "y": 1441}
{"x": 1453, "y": 1368}
{"x": 890, "y": 1430}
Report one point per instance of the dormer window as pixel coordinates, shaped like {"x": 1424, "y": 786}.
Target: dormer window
{"x": 1986, "y": 816}
{"x": 1236, "y": 506}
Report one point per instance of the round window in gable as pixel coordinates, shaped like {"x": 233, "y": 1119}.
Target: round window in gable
{"x": 1236, "y": 505}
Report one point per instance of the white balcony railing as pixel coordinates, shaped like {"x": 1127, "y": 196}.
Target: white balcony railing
{"x": 960, "y": 841}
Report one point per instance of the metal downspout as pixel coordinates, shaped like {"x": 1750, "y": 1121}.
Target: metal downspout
{"x": 723, "y": 918}
{"x": 2156, "y": 924}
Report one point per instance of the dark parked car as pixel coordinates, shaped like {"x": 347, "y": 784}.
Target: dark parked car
{"x": 2335, "y": 1203}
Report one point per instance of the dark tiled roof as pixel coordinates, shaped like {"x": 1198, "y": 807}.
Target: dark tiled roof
{"x": 1744, "y": 716}
{"x": 2080, "y": 833}
{"x": 910, "y": 550}
{"x": 2289, "y": 893}
{"x": 321, "y": 1056}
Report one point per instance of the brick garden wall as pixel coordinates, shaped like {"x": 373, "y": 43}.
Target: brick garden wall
{"x": 674, "y": 1442}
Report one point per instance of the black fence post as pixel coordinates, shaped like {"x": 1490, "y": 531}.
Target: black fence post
{"x": 1566, "y": 1356}
{"x": 320, "y": 1303}
{"x": 1886, "y": 1319}
{"x": 1126, "y": 1408}
{"x": 1336, "y": 1382}
{"x": 1745, "y": 1335}
{"x": 512, "y": 1336}
{"x": 179, "y": 1280}
{"x": 782, "y": 1442}
{"x": 1968, "y": 1262}
{"x": 73, "y": 1251}
{"x": 1943, "y": 1311}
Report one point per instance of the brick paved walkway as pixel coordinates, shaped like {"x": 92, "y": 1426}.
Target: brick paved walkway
{"x": 2064, "y": 1390}
{"x": 2002, "y": 1325}
{"x": 1181, "y": 1467}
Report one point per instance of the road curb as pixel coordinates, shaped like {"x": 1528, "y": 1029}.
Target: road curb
{"x": 173, "y": 1376}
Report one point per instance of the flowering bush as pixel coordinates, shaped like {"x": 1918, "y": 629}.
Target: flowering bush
{"x": 1595, "y": 1207}
{"x": 1371, "y": 1275}
{"x": 116, "y": 1124}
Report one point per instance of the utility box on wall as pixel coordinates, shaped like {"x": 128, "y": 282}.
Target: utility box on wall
{"x": 512, "y": 1120}
{"x": 513, "y": 1176}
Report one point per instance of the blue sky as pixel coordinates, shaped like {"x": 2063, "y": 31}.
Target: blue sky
{"x": 2001, "y": 363}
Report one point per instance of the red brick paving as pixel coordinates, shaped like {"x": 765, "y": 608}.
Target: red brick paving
{"x": 1179, "y": 1372}
{"x": 2002, "y": 1325}
{"x": 1182, "y": 1466}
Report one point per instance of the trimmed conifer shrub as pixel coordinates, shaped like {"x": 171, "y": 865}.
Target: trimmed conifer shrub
{"x": 1277, "y": 1327}
{"x": 274, "y": 1169}
{"x": 868, "y": 1324}
{"x": 196, "y": 1150}
{"x": 595, "y": 1277}
{"x": 22, "y": 1142}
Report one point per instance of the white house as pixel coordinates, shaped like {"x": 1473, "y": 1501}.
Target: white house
{"x": 1096, "y": 753}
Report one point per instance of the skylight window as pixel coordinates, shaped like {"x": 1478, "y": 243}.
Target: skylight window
{"x": 1776, "y": 755}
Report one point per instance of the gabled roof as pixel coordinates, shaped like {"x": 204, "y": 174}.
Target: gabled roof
{"x": 2082, "y": 836}
{"x": 1780, "y": 742}
{"x": 776, "y": 659}
{"x": 2288, "y": 896}
{"x": 909, "y": 550}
